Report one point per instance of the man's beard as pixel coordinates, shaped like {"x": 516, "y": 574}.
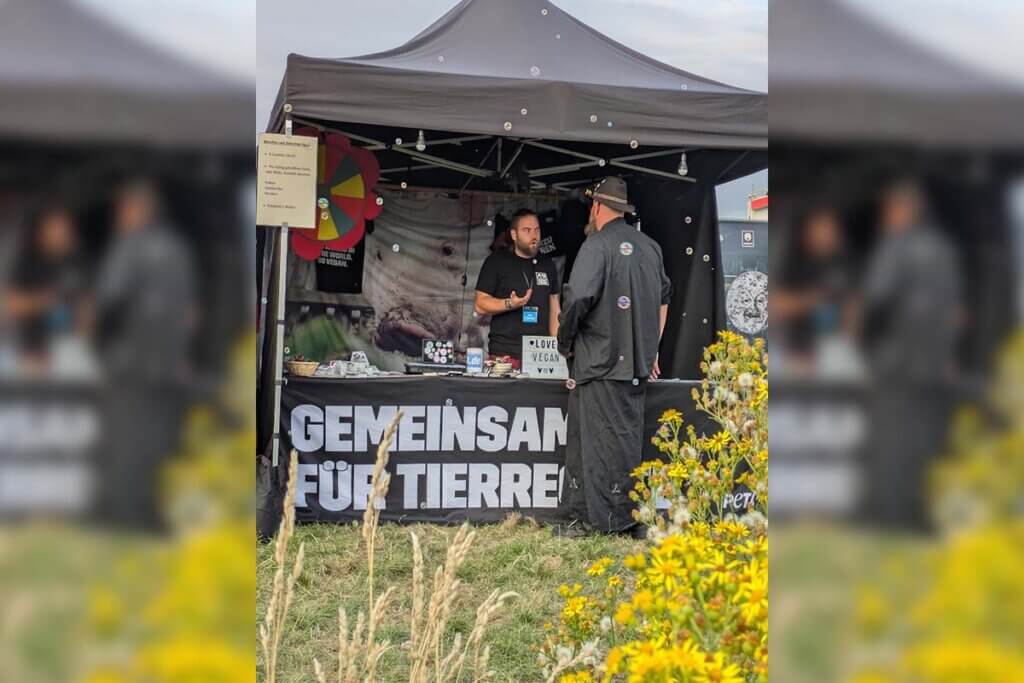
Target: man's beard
{"x": 590, "y": 228}
{"x": 527, "y": 249}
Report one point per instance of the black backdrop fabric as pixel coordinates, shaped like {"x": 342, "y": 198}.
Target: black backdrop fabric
{"x": 530, "y": 462}
{"x": 698, "y": 287}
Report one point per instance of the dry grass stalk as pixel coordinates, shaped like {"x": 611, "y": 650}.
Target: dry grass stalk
{"x": 417, "y": 593}
{"x": 511, "y": 520}
{"x": 379, "y": 483}
{"x": 584, "y": 655}
{"x": 283, "y": 588}
{"x": 487, "y": 610}
{"x": 442, "y": 598}
{"x": 358, "y": 657}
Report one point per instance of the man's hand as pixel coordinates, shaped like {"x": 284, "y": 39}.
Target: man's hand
{"x": 520, "y": 301}
{"x": 655, "y": 369}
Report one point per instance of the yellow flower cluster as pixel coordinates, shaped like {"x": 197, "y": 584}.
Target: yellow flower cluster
{"x": 964, "y": 619}
{"x": 693, "y": 607}
{"x": 185, "y": 611}
{"x": 701, "y": 475}
{"x": 696, "y": 611}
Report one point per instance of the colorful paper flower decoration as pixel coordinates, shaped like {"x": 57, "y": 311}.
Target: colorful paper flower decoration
{"x": 345, "y": 196}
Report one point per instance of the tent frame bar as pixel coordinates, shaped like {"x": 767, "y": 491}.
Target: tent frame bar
{"x": 439, "y": 162}
{"x": 662, "y": 174}
{"x": 431, "y": 143}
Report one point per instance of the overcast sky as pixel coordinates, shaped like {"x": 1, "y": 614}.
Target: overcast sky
{"x": 726, "y": 40}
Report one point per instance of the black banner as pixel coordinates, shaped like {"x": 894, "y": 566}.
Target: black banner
{"x": 467, "y": 448}
{"x": 48, "y": 451}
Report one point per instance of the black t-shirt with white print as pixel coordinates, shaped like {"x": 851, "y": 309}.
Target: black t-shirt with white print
{"x": 505, "y": 272}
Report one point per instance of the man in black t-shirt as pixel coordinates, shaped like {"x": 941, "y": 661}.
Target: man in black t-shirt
{"x": 519, "y": 289}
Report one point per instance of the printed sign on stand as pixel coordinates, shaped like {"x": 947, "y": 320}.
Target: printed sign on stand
{"x": 286, "y": 180}
{"x": 541, "y": 359}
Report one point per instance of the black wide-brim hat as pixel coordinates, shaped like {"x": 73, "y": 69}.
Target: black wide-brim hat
{"x": 612, "y": 192}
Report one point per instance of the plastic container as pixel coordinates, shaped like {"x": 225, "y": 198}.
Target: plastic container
{"x": 474, "y": 361}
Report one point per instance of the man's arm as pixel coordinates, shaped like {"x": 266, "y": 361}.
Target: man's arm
{"x": 581, "y": 293}
{"x": 666, "y": 297}
{"x": 662, "y": 317}
{"x": 485, "y": 304}
{"x": 19, "y": 304}
{"x": 556, "y": 310}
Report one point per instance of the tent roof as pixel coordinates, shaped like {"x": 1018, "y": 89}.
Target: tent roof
{"x": 67, "y": 74}
{"x": 480, "y": 65}
{"x": 836, "y": 74}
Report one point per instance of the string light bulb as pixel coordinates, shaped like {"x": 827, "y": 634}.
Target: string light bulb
{"x": 421, "y": 142}
{"x": 683, "y": 168}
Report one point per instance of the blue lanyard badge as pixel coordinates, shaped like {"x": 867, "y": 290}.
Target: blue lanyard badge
{"x": 531, "y": 315}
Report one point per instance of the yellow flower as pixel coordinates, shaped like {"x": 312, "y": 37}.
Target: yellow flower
{"x": 574, "y": 607}
{"x": 642, "y": 600}
{"x": 664, "y": 571}
{"x": 613, "y": 661}
{"x": 644, "y": 468}
{"x": 752, "y": 597}
{"x": 677, "y": 470}
{"x": 719, "y": 441}
{"x": 687, "y": 657}
{"x": 717, "y": 670}
{"x": 635, "y": 562}
{"x": 624, "y": 613}
{"x": 615, "y": 581}
{"x": 719, "y": 568}
{"x": 599, "y": 567}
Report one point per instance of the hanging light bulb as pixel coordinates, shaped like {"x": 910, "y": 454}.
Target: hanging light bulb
{"x": 683, "y": 168}
{"x": 421, "y": 143}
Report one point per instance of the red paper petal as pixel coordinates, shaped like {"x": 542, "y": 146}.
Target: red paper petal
{"x": 368, "y": 164}
{"x": 306, "y": 248}
{"x": 372, "y": 209}
{"x": 338, "y": 141}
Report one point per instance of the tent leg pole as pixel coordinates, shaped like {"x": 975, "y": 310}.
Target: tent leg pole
{"x": 282, "y": 290}
{"x": 282, "y": 281}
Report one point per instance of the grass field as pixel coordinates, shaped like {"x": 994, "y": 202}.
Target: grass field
{"x": 818, "y": 574}
{"x": 46, "y": 574}
{"x": 509, "y": 557}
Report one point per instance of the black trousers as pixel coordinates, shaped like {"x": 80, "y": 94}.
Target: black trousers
{"x": 604, "y": 445}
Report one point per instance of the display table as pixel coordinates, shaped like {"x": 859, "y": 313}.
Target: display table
{"x": 468, "y": 448}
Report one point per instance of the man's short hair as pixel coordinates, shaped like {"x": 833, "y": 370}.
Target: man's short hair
{"x": 521, "y": 213}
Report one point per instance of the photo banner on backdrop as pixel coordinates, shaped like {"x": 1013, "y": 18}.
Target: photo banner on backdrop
{"x": 466, "y": 449}
{"x": 418, "y": 277}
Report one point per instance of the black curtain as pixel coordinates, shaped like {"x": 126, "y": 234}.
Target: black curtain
{"x": 683, "y": 218}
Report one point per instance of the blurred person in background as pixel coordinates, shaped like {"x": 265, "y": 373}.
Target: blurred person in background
{"x": 811, "y": 302}
{"x": 145, "y": 320}
{"x": 911, "y": 319}
{"x": 45, "y": 299}
{"x": 913, "y": 292}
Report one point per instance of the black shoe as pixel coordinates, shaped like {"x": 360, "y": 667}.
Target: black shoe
{"x": 574, "y": 529}
{"x": 638, "y": 532}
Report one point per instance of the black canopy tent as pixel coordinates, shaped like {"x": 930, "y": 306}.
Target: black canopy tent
{"x": 524, "y": 96}
{"x": 477, "y": 67}
{"x": 85, "y": 103}
{"x": 855, "y": 104}
{"x": 837, "y": 75}
{"x": 68, "y": 75}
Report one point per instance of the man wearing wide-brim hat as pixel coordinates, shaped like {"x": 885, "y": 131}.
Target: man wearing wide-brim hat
{"x": 613, "y": 314}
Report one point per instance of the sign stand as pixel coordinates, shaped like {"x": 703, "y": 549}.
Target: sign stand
{"x": 282, "y": 286}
